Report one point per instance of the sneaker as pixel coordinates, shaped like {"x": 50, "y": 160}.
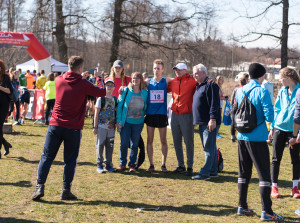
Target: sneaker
{"x": 200, "y": 177}
{"x": 294, "y": 194}
{"x": 150, "y": 169}
{"x": 17, "y": 123}
{"x": 39, "y": 192}
{"x": 22, "y": 122}
{"x": 164, "y": 169}
{"x": 189, "y": 172}
{"x": 100, "y": 169}
{"x": 244, "y": 211}
{"x": 66, "y": 194}
{"x": 268, "y": 217}
{"x": 274, "y": 192}
{"x": 109, "y": 169}
{"x": 121, "y": 168}
{"x": 297, "y": 212}
{"x": 132, "y": 168}
{"x": 180, "y": 169}
{"x": 233, "y": 138}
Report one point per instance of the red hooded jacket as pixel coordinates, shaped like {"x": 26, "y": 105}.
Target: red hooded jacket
{"x": 71, "y": 97}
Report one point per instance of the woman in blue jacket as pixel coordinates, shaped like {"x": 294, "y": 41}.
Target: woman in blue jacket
{"x": 282, "y": 129}
{"x": 131, "y": 109}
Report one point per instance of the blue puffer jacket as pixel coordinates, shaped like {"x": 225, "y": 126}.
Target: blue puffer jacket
{"x": 121, "y": 114}
{"x": 261, "y": 99}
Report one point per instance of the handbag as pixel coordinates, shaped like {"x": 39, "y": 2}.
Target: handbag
{"x": 226, "y": 116}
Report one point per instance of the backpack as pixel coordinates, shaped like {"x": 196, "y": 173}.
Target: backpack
{"x": 220, "y": 161}
{"x": 245, "y": 117}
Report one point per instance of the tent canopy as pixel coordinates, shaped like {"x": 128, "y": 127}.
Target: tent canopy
{"x": 56, "y": 66}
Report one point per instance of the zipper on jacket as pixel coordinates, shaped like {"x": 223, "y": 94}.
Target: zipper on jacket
{"x": 178, "y": 95}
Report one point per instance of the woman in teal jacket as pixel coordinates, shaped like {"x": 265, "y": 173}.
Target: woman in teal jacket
{"x": 131, "y": 109}
{"x": 282, "y": 129}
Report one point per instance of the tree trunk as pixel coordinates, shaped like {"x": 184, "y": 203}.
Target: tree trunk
{"x": 284, "y": 34}
{"x": 60, "y": 32}
{"x": 114, "y": 52}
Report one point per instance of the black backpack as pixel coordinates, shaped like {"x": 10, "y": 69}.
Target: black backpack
{"x": 245, "y": 117}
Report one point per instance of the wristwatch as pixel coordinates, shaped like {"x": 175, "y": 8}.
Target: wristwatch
{"x": 294, "y": 136}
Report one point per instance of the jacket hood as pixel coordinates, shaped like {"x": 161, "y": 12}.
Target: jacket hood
{"x": 72, "y": 77}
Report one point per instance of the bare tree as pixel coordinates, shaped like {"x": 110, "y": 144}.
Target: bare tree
{"x": 282, "y": 35}
{"x": 137, "y": 20}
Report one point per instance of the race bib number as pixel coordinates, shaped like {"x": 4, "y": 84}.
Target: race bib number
{"x": 157, "y": 96}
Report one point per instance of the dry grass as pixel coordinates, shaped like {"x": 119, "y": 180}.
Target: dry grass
{"x": 113, "y": 197}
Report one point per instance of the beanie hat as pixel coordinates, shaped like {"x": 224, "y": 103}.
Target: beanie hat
{"x": 256, "y": 70}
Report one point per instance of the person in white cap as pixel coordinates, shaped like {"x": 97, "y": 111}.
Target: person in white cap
{"x": 183, "y": 88}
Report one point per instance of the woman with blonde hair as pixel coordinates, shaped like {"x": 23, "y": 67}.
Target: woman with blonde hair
{"x": 131, "y": 110}
{"x": 220, "y": 82}
{"x": 117, "y": 74}
{"x": 282, "y": 129}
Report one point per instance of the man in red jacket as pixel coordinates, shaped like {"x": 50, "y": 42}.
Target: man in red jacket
{"x": 183, "y": 88}
{"x": 65, "y": 125}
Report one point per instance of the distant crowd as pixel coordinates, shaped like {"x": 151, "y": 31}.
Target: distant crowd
{"x": 124, "y": 103}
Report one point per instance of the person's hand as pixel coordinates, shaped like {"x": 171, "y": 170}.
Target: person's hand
{"x": 210, "y": 80}
{"x": 120, "y": 89}
{"x": 212, "y": 125}
{"x": 95, "y": 131}
{"x": 118, "y": 125}
{"x": 85, "y": 75}
{"x": 270, "y": 136}
{"x": 97, "y": 72}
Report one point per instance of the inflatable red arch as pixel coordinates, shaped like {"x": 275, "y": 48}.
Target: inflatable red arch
{"x": 35, "y": 49}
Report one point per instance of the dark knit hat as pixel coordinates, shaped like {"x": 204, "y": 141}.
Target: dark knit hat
{"x": 256, "y": 70}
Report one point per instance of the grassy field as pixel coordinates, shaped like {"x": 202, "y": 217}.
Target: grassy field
{"x": 114, "y": 197}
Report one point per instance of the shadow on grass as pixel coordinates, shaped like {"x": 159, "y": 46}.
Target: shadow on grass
{"x": 17, "y": 184}
{"x": 16, "y": 220}
{"x": 25, "y": 134}
{"x": 201, "y": 209}
{"x": 289, "y": 219}
{"x": 22, "y": 159}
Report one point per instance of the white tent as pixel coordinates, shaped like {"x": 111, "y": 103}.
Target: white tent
{"x": 56, "y": 66}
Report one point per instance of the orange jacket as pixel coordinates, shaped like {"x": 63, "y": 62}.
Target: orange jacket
{"x": 30, "y": 81}
{"x": 182, "y": 89}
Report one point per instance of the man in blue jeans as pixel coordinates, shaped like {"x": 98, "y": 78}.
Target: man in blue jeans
{"x": 206, "y": 114}
{"x": 65, "y": 126}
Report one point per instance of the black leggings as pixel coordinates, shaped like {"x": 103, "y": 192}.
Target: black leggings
{"x": 256, "y": 153}
{"x": 4, "y": 105}
{"x": 11, "y": 109}
{"x": 280, "y": 139}
{"x": 50, "y": 105}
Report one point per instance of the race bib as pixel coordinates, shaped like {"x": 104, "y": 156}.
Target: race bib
{"x": 157, "y": 96}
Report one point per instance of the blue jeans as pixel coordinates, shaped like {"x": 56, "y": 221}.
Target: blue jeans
{"x": 130, "y": 132}
{"x": 55, "y": 136}
{"x": 210, "y": 149}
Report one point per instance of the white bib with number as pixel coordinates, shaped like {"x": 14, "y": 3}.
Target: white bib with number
{"x": 157, "y": 96}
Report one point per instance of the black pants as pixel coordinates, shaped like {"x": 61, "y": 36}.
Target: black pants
{"x": 11, "y": 109}
{"x": 232, "y": 128}
{"x": 257, "y": 153}
{"x": 280, "y": 138}
{"x": 4, "y": 105}
{"x": 50, "y": 105}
